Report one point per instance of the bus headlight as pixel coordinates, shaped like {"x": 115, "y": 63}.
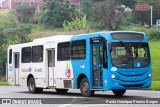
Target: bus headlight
{"x": 149, "y": 75}
{"x": 113, "y": 76}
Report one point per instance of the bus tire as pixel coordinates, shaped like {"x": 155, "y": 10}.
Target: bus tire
{"x": 32, "y": 86}
{"x": 61, "y": 90}
{"x": 85, "y": 88}
{"x": 118, "y": 92}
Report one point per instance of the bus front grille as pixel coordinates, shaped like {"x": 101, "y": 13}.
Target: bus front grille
{"x": 132, "y": 86}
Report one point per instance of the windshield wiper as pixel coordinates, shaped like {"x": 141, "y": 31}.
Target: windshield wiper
{"x": 139, "y": 44}
{"x": 127, "y": 48}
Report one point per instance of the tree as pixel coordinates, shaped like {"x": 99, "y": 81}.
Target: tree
{"x": 85, "y": 6}
{"x": 80, "y": 23}
{"x": 12, "y": 35}
{"x": 144, "y": 16}
{"x": 128, "y": 3}
{"x": 109, "y": 13}
{"x": 25, "y": 13}
{"x": 57, "y": 12}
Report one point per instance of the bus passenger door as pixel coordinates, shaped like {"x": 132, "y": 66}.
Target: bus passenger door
{"x": 51, "y": 65}
{"x": 97, "y": 65}
{"x": 16, "y": 66}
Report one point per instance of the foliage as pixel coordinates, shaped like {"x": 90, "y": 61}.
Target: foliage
{"x": 41, "y": 16}
{"x": 56, "y": 12}
{"x": 85, "y": 6}
{"x": 153, "y": 34}
{"x": 103, "y": 14}
{"x": 144, "y": 16}
{"x": 12, "y": 35}
{"x": 3, "y": 79}
{"x": 109, "y": 13}
{"x": 4, "y": 84}
{"x": 128, "y": 3}
{"x": 76, "y": 25}
{"x": 25, "y": 13}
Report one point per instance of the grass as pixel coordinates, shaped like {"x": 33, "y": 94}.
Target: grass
{"x": 155, "y": 85}
{"x": 4, "y": 84}
{"x": 155, "y": 55}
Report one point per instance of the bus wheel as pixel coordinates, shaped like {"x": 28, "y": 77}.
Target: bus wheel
{"x": 32, "y": 86}
{"x": 85, "y": 89}
{"x": 61, "y": 90}
{"x": 118, "y": 92}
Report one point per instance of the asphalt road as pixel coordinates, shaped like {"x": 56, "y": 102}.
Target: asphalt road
{"x": 74, "y": 97}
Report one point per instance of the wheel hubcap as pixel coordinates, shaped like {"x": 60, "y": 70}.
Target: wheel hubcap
{"x": 31, "y": 86}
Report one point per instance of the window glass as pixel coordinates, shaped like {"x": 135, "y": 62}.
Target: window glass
{"x": 63, "y": 51}
{"x": 16, "y": 60}
{"x": 105, "y": 60}
{"x": 26, "y": 55}
{"x": 51, "y": 58}
{"x": 37, "y": 53}
{"x": 10, "y": 56}
{"x": 79, "y": 49}
{"x": 130, "y": 55}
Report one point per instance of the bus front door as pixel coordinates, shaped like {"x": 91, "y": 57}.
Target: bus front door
{"x": 97, "y": 65}
{"x": 51, "y": 65}
{"x": 16, "y": 66}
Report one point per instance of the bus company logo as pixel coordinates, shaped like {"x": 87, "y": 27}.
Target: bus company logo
{"x": 27, "y": 70}
{"x": 10, "y": 68}
{"x": 68, "y": 70}
{"x": 82, "y": 66}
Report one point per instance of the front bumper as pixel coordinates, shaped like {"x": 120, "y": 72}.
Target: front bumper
{"x": 119, "y": 85}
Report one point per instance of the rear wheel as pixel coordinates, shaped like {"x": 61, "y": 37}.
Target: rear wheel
{"x": 118, "y": 92}
{"x": 61, "y": 90}
{"x": 32, "y": 86}
{"x": 85, "y": 88}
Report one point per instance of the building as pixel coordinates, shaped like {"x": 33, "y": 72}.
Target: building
{"x": 74, "y": 2}
{"x": 11, "y": 4}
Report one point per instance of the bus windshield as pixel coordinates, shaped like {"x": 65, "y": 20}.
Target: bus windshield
{"x": 130, "y": 54}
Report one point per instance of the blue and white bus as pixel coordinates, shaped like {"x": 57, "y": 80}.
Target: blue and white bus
{"x": 116, "y": 60}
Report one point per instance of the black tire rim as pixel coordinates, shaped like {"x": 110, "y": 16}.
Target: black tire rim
{"x": 85, "y": 87}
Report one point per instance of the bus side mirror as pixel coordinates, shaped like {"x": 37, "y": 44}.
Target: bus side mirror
{"x": 110, "y": 47}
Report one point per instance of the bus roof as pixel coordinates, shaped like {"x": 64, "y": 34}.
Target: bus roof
{"x": 63, "y": 38}
{"x": 57, "y": 38}
{"x": 105, "y": 33}
{"x": 44, "y": 40}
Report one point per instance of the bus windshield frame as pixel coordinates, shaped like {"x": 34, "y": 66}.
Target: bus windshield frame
{"x": 130, "y": 54}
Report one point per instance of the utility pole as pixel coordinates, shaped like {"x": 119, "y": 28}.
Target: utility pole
{"x": 151, "y": 7}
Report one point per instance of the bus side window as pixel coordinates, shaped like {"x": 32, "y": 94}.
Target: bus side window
{"x": 78, "y": 50}
{"x": 10, "y": 56}
{"x": 37, "y": 53}
{"x": 63, "y": 53}
{"x": 26, "y": 55}
{"x": 105, "y": 59}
